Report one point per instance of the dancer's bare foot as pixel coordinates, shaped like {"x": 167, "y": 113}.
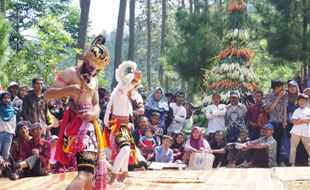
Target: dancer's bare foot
{"x": 112, "y": 178}
{"x": 121, "y": 177}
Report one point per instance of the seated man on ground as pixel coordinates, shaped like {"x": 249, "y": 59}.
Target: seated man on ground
{"x": 235, "y": 155}
{"x": 22, "y": 129}
{"x": 34, "y": 156}
{"x": 218, "y": 146}
{"x": 261, "y": 152}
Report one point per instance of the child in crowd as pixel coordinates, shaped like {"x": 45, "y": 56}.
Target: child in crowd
{"x": 153, "y": 124}
{"x": 147, "y": 144}
{"x": 53, "y": 142}
{"x": 196, "y": 143}
{"x": 178, "y": 147}
{"x": 164, "y": 153}
{"x": 235, "y": 155}
{"x": 301, "y": 128}
{"x": 217, "y": 144}
{"x": 55, "y": 166}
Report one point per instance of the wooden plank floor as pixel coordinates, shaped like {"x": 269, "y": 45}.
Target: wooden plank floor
{"x": 222, "y": 178}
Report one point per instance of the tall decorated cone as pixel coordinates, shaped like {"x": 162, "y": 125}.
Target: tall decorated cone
{"x": 234, "y": 66}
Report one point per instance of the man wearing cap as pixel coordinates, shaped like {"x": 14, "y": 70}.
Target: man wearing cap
{"x": 17, "y": 103}
{"x": 276, "y": 106}
{"x": 262, "y": 151}
{"x": 301, "y": 128}
{"x": 33, "y": 159}
{"x": 22, "y": 130}
{"x": 81, "y": 84}
{"x": 235, "y": 116}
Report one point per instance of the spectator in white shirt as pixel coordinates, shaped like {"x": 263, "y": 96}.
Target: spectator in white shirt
{"x": 179, "y": 114}
{"x": 215, "y": 113}
{"x": 301, "y": 128}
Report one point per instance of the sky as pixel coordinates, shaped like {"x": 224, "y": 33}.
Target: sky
{"x": 103, "y": 15}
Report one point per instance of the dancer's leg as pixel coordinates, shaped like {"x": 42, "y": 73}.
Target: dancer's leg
{"x": 119, "y": 162}
{"x": 81, "y": 181}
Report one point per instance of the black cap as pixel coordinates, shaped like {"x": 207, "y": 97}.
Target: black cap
{"x": 292, "y": 83}
{"x": 22, "y": 123}
{"x": 234, "y": 93}
{"x": 36, "y": 125}
{"x": 179, "y": 94}
{"x": 302, "y": 96}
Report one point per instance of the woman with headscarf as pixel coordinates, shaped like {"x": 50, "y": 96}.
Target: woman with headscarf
{"x": 157, "y": 102}
{"x": 7, "y": 124}
{"x": 196, "y": 143}
{"x": 178, "y": 147}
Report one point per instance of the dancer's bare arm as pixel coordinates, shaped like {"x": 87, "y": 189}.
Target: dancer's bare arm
{"x": 61, "y": 86}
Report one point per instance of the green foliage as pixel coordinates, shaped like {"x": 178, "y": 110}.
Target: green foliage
{"x": 23, "y": 14}
{"x": 267, "y": 67}
{"x": 42, "y": 57}
{"x": 282, "y": 26}
{"x": 196, "y": 44}
{"x": 4, "y": 31}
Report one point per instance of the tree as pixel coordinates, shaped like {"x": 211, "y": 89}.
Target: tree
{"x": 149, "y": 40}
{"x": 3, "y": 7}
{"x": 193, "y": 47}
{"x": 162, "y": 43}
{"x": 23, "y": 14}
{"x": 84, "y": 4}
{"x": 285, "y": 25}
{"x": 131, "y": 46}
{"x": 4, "y": 36}
{"x": 119, "y": 36}
{"x": 51, "y": 51}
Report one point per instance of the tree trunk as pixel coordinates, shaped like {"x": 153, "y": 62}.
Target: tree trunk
{"x": 84, "y": 5}
{"x": 119, "y": 37}
{"x": 167, "y": 83}
{"x": 304, "y": 41}
{"x": 148, "y": 65}
{"x": 131, "y": 46}
{"x": 183, "y": 88}
{"x": 3, "y": 7}
{"x": 183, "y": 3}
{"x": 162, "y": 43}
{"x": 191, "y": 87}
{"x": 206, "y": 5}
{"x": 190, "y": 6}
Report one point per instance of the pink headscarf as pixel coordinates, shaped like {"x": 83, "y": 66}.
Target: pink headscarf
{"x": 196, "y": 143}
{"x": 53, "y": 150}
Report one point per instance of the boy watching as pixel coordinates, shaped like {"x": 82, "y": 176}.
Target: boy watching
{"x": 301, "y": 128}
{"x": 164, "y": 153}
